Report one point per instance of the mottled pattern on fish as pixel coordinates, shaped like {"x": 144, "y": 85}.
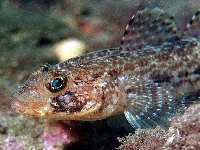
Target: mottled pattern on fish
{"x": 153, "y": 75}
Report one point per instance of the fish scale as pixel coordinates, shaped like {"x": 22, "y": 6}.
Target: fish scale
{"x": 152, "y": 76}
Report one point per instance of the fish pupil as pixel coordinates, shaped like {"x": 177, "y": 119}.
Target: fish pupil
{"x": 57, "y": 83}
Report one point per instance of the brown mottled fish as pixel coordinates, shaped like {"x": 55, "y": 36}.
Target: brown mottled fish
{"x": 153, "y": 75}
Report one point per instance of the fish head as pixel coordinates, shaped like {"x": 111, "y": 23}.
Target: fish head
{"x": 53, "y": 93}
{"x": 31, "y": 98}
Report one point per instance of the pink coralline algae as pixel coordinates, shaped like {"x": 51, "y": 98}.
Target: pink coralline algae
{"x": 58, "y": 138}
{"x": 12, "y": 144}
{"x": 184, "y": 133}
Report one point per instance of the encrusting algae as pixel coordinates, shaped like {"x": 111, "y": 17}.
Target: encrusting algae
{"x": 182, "y": 134}
{"x": 152, "y": 76}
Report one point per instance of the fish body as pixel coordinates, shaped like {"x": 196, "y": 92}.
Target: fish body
{"x": 153, "y": 75}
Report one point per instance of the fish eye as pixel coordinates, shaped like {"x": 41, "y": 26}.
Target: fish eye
{"x": 57, "y": 83}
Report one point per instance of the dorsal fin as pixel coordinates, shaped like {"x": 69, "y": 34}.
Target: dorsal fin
{"x": 193, "y": 27}
{"x": 149, "y": 27}
{"x": 89, "y": 57}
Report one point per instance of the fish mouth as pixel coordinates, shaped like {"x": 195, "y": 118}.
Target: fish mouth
{"x": 30, "y": 108}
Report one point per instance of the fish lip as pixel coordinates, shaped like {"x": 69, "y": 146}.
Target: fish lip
{"x": 24, "y": 108}
{"x": 19, "y": 106}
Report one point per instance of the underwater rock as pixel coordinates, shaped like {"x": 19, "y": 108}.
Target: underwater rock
{"x": 69, "y": 48}
{"x": 184, "y": 133}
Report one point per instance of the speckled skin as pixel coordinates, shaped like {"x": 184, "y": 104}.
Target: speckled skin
{"x": 154, "y": 71}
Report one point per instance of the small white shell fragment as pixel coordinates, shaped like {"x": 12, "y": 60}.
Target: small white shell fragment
{"x": 69, "y": 48}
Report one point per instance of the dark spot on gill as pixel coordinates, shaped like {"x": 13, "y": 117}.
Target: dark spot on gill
{"x": 113, "y": 74}
{"x": 197, "y": 70}
{"x": 161, "y": 78}
{"x": 67, "y": 102}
